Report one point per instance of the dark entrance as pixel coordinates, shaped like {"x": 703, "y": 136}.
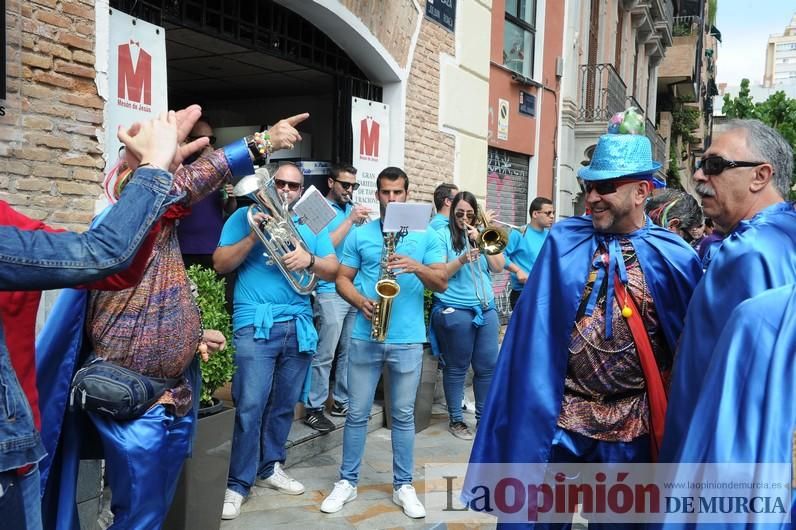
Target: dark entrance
{"x": 252, "y": 62}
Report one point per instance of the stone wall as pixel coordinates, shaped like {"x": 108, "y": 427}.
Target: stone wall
{"x": 50, "y": 163}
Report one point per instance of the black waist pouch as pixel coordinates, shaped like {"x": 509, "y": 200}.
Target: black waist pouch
{"x": 107, "y": 388}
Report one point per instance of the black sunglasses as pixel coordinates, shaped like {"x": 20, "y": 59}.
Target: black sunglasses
{"x": 211, "y": 138}
{"x": 348, "y": 185}
{"x": 715, "y": 165}
{"x": 605, "y": 187}
{"x": 460, "y": 214}
{"x": 292, "y": 186}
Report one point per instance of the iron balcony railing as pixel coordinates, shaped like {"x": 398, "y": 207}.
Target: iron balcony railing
{"x": 657, "y": 141}
{"x": 602, "y": 92}
{"x": 684, "y": 26}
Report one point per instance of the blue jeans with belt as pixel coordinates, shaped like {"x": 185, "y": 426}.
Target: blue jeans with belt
{"x": 267, "y": 384}
{"x": 366, "y": 360}
{"x": 462, "y": 343}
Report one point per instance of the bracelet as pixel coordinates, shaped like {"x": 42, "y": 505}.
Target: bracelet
{"x": 312, "y": 262}
{"x": 260, "y": 146}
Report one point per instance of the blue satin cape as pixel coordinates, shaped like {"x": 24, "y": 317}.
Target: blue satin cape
{"x": 524, "y": 399}
{"x": 68, "y": 435}
{"x": 760, "y": 254}
{"x": 753, "y": 416}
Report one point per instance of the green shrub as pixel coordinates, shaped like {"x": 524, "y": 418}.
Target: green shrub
{"x": 219, "y": 369}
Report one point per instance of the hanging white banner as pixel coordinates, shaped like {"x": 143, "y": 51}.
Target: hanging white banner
{"x": 370, "y": 121}
{"x": 137, "y": 89}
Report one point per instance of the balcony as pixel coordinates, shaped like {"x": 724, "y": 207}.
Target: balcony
{"x": 681, "y": 68}
{"x": 602, "y": 94}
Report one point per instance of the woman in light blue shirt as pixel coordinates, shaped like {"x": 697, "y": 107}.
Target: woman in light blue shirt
{"x": 464, "y": 321}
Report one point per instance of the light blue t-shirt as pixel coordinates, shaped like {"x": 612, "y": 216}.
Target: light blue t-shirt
{"x": 438, "y": 221}
{"x": 363, "y": 250}
{"x": 339, "y": 217}
{"x": 461, "y": 290}
{"x": 522, "y": 250}
{"x": 259, "y": 283}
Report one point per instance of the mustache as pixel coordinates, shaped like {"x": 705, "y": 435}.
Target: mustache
{"x": 704, "y": 190}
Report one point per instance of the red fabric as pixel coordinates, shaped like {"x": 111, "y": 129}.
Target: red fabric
{"x": 658, "y": 400}
{"x": 18, "y": 309}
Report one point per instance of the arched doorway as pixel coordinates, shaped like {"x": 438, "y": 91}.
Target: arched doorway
{"x": 249, "y": 63}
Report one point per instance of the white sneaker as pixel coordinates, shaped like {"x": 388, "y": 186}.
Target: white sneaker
{"x": 281, "y": 481}
{"x": 342, "y": 493}
{"x": 232, "y": 502}
{"x": 406, "y": 497}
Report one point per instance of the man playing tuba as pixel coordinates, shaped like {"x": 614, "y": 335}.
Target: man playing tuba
{"x": 274, "y": 343}
{"x": 416, "y": 262}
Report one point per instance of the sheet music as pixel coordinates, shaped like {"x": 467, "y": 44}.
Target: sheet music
{"x": 407, "y": 217}
{"x": 314, "y": 210}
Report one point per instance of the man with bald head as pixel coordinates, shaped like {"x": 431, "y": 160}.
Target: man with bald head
{"x": 275, "y": 340}
{"x": 743, "y": 179}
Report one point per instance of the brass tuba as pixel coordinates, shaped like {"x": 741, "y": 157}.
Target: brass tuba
{"x": 278, "y": 232}
{"x": 492, "y": 239}
{"x": 387, "y": 288}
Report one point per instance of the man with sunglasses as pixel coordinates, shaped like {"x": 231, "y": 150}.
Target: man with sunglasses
{"x": 742, "y": 180}
{"x": 569, "y": 384}
{"x": 334, "y": 316}
{"x": 275, "y": 340}
{"x": 524, "y": 246}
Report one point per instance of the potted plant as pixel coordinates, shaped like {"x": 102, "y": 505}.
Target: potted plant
{"x": 199, "y": 498}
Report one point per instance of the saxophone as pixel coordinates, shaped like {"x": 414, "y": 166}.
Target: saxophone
{"x": 387, "y": 288}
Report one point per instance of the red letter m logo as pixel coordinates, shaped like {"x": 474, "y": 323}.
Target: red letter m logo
{"x": 135, "y": 82}
{"x": 369, "y": 139}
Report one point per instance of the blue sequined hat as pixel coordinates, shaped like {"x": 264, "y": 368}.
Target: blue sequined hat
{"x": 623, "y": 152}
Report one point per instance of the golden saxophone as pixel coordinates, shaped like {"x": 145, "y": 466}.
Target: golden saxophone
{"x": 387, "y": 288}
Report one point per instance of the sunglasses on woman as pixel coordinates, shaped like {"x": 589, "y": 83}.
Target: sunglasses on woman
{"x": 348, "y": 185}
{"x": 292, "y": 186}
{"x": 715, "y": 165}
{"x": 461, "y": 214}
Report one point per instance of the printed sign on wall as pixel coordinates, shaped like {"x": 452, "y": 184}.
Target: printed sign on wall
{"x": 370, "y": 121}
{"x": 503, "y": 120}
{"x": 136, "y": 75}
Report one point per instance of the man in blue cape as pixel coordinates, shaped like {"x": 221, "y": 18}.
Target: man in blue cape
{"x": 742, "y": 179}
{"x": 751, "y": 414}
{"x": 569, "y": 384}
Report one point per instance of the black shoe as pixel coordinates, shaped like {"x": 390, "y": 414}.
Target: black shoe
{"x": 339, "y": 409}
{"x": 318, "y": 421}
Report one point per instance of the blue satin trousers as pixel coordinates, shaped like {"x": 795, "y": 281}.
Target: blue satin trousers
{"x": 143, "y": 459}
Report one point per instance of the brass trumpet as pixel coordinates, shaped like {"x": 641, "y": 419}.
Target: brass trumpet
{"x": 491, "y": 239}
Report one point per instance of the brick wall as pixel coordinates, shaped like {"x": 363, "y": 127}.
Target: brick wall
{"x": 393, "y": 23}
{"x": 50, "y": 163}
{"x": 429, "y": 153}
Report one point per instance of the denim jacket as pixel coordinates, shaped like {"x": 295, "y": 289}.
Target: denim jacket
{"x": 39, "y": 260}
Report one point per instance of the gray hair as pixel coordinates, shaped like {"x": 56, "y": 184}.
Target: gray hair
{"x": 768, "y": 146}
{"x": 674, "y": 204}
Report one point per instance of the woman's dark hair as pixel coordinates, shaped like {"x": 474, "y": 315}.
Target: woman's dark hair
{"x": 675, "y": 204}
{"x": 458, "y": 235}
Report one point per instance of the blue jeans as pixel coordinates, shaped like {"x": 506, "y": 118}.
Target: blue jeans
{"x": 143, "y": 459}
{"x": 335, "y": 322}
{"x": 365, "y": 362}
{"x": 463, "y": 344}
{"x": 20, "y": 502}
{"x": 266, "y": 386}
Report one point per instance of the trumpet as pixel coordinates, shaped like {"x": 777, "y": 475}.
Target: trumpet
{"x": 492, "y": 239}
{"x": 278, "y": 231}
